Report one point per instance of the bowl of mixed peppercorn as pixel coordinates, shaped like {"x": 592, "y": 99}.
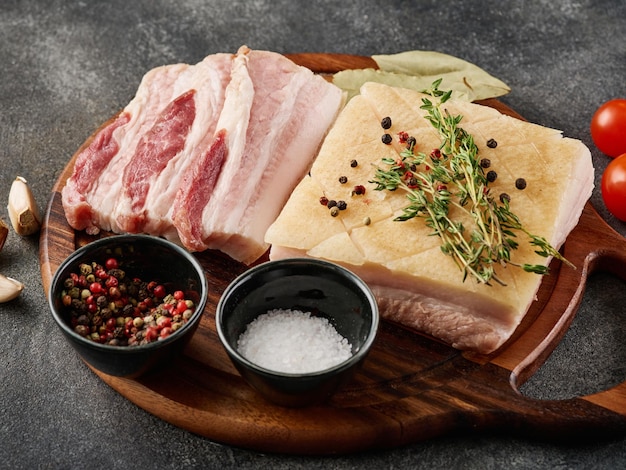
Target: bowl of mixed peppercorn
{"x": 128, "y": 303}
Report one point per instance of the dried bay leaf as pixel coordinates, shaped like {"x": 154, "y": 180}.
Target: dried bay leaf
{"x": 417, "y": 70}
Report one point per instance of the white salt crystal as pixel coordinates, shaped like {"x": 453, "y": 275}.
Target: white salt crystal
{"x": 293, "y": 341}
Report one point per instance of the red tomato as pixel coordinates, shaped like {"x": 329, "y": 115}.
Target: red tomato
{"x": 614, "y": 187}
{"x": 608, "y": 127}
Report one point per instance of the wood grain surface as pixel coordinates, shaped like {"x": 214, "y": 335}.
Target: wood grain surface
{"x": 411, "y": 387}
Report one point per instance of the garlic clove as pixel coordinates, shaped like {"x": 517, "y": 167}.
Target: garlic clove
{"x": 23, "y": 210}
{"x": 4, "y": 233}
{"x": 9, "y": 288}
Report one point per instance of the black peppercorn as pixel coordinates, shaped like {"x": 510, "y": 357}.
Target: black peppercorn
{"x": 492, "y": 144}
{"x": 343, "y": 179}
{"x": 492, "y": 176}
{"x": 485, "y": 163}
{"x": 520, "y": 183}
{"x": 331, "y": 203}
{"x": 386, "y": 138}
{"x": 410, "y": 142}
{"x": 342, "y": 205}
{"x": 386, "y": 122}
{"x": 353, "y": 163}
{"x": 505, "y": 197}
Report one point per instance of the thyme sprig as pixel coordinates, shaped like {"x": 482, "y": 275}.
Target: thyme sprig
{"x": 449, "y": 187}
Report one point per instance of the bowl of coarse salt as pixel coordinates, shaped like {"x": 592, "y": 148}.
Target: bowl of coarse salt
{"x": 296, "y": 329}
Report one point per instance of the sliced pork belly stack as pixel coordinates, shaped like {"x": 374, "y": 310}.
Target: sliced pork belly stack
{"x": 91, "y": 192}
{"x": 415, "y": 283}
{"x": 199, "y": 187}
{"x": 204, "y": 155}
{"x": 154, "y": 176}
{"x": 289, "y": 114}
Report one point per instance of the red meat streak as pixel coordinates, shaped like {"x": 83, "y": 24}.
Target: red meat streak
{"x": 157, "y": 147}
{"x": 195, "y": 192}
{"x": 93, "y": 160}
{"x": 88, "y": 167}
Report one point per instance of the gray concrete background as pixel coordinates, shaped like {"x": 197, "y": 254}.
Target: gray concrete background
{"x": 67, "y": 66}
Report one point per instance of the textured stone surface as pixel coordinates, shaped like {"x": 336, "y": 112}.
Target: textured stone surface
{"x": 67, "y": 66}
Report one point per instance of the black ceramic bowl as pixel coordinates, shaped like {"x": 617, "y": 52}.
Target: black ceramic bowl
{"x": 146, "y": 257}
{"x": 322, "y": 288}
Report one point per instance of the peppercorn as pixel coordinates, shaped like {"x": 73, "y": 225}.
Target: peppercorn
{"x": 492, "y": 176}
{"x": 85, "y": 269}
{"x": 82, "y": 330}
{"x": 102, "y": 301}
{"x": 116, "y": 273}
{"x": 485, "y": 163}
{"x": 386, "y": 122}
{"x": 358, "y": 190}
{"x": 342, "y": 205}
{"x": 386, "y": 138}
{"x": 343, "y": 179}
{"x": 66, "y": 300}
{"x": 520, "y": 183}
{"x": 403, "y": 137}
{"x": 505, "y": 197}
{"x": 324, "y": 201}
{"x": 108, "y": 314}
{"x": 410, "y": 143}
{"x": 367, "y": 221}
{"x": 435, "y": 154}
{"x": 334, "y": 211}
{"x": 74, "y": 292}
{"x": 331, "y": 203}
{"x": 492, "y": 144}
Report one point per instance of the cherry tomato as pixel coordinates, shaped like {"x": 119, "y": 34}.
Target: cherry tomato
{"x": 614, "y": 187}
{"x": 608, "y": 127}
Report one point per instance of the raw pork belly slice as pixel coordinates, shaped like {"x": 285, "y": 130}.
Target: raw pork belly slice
{"x": 91, "y": 192}
{"x": 200, "y": 189}
{"x": 88, "y": 167}
{"x": 288, "y": 118}
{"x": 161, "y": 174}
{"x": 414, "y": 282}
{"x": 205, "y": 155}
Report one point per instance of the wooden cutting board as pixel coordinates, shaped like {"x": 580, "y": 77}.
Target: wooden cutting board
{"x": 411, "y": 387}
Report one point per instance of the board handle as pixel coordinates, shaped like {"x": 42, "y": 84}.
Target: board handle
{"x": 592, "y": 246}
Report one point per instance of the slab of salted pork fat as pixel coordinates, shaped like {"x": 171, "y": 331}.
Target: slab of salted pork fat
{"x": 415, "y": 283}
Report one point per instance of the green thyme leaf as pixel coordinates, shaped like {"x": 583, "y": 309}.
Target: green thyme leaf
{"x": 455, "y": 178}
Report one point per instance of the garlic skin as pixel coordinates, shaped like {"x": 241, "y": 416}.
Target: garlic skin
{"x": 9, "y": 288}
{"x": 4, "y": 233}
{"x": 23, "y": 210}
